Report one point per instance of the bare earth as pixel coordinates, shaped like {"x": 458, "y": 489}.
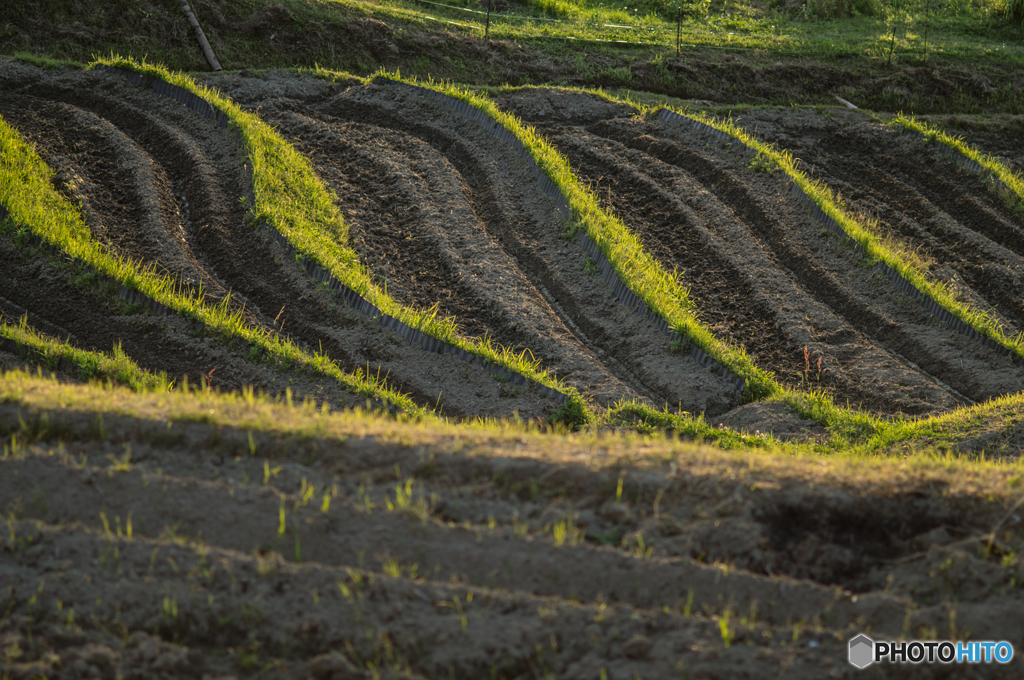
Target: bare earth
{"x": 277, "y": 542}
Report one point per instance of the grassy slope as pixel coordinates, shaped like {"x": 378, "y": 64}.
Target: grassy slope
{"x": 115, "y": 366}
{"x": 53, "y": 410}
{"x": 361, "y": 37}
{"x": 26, "y": 190}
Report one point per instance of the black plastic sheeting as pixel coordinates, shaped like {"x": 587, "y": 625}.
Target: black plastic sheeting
{"x": 618, "y": 287}
{"x": 499, "y": 132}
{"x": 322, "y": 275}
{"x": 11, "y": 346}
{"x": 630, "y": 299}
{"x": 960, "y": 159}
{"x": 906, "y": 287}
{"x": 178, "y": 94}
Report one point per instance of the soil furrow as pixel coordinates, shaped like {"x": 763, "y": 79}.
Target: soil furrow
{"x": 547, "y": 328}
{"x": 848, "y": 290}
{"x": 90, "y": 318}
{"x": 128, "y": 197}
{"x": 930, "y": 205}
{"x": 500, "y": 217}
{"x": 206, "y": 170}
{"x": 738, "y": 290}
{"x": 384, "y": 177}
{"x": 136, "y": 612}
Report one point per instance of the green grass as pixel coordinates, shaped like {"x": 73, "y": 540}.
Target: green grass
{"x": 26, "y": 190}
{"x": 662, "y": 291}
{"x": 1014, "y": 182}
{"x": 877, "y": 248}
{"x": 822, "y": 28}
{"x": 115, "y": 366}
{"x": 291, "y": 198}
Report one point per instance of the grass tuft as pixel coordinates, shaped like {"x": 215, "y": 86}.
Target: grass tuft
{"x": 116, "y": 366}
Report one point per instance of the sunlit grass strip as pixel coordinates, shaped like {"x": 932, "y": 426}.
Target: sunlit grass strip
{"x": 1012, "y": 181}
{"x": 26, "y": 191}
{"x": 116, "y": 366}
{"x": 662, "y": 292}
{"x": 292, "y": 199}
{"x": 876, "y": 248}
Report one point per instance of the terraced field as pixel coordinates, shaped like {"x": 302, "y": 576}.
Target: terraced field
{"x": 216, "y": 532}
{"x": 761, "y": 271}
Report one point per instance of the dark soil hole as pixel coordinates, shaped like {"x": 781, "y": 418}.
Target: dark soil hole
{"x": 842, "y": 539}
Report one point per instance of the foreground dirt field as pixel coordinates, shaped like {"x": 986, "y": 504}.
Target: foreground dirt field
{"x": 199, "y": 534}
{"x": 287, "y": 543}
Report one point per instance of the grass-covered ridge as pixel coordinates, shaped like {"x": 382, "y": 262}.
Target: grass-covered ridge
{"x": 1013, "y": 181}
{"x": 876, "y": 248}
{"x": 282, "y": 428}
{"x": 663, "y": 292}
{"x": 35, "y": 206}
{"x": 292, "y": 199}
{"x": 115, "y": 366}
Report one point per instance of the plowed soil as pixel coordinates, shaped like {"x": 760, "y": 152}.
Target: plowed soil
{"x": 762, "y": 272}
{"x": 208, "y": 536}
{"x": 163, "y": 185}
{"x": 445, "y": 215}
{"x": 445, "y": 557}
{"x": 948, "y": 215}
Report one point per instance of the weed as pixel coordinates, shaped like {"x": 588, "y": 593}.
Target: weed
{"x": 762, "y": 163}
{"x": 589, "y": 266}
{"x": 726, "y": 632}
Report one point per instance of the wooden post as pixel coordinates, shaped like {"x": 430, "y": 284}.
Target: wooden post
{"x": 211, "y": 58}
{"x": 927, "y": 20}
{"x": 487, "y": 24}
{"x": 679, "y": 28}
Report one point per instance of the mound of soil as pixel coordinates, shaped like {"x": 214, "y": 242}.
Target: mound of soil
{"x": 162, "y": 185}
{"x": 762, "y": 272}
{"x": 432, "y": 555}
{"x": 445, "y": 215}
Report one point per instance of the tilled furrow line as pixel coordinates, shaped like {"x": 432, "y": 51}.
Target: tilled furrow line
{"x": 352, "y": 531}
{"x": 869, "y": 306}
{"x": 210, "y": 599}
{"x": 120, "y": 160}
{"x": 739, "y": 289}
{"x": 75, "y": 312}
{"x": 517, "y": 215}
{"x": 991, "y": 269}
{"x": 409, "y": 220}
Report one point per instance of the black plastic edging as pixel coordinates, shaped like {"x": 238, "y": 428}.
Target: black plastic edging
{"x": 31, "y": 353}
{"x": 622, "y": 292}
{"x": 905, "y": 286}
{"x": 132, "y": 296}
{"x": 320, "y": 274}
{"x": 961, "y": 159}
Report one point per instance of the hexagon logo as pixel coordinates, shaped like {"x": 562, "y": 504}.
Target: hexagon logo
{"x": 862, "y": 651}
